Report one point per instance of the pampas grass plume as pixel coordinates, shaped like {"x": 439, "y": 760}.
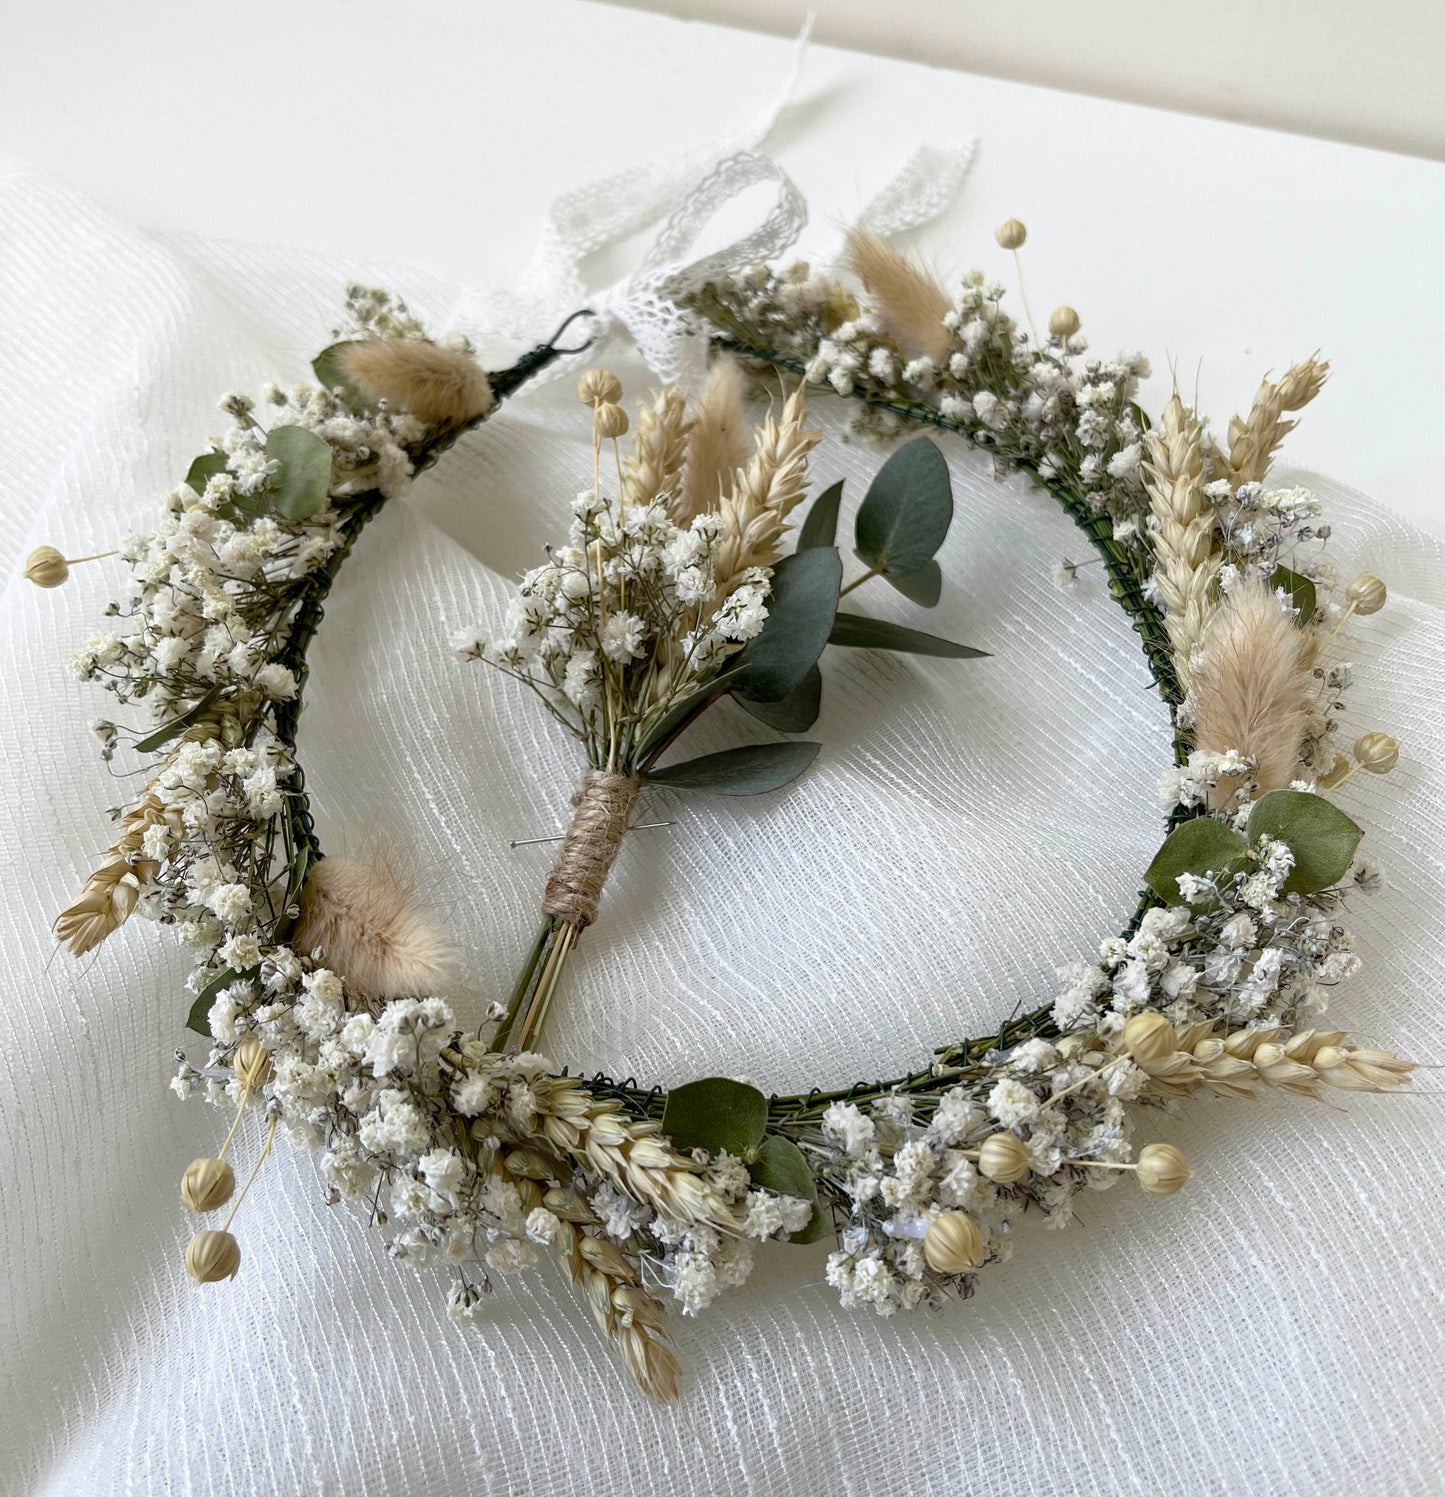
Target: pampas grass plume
{"x": 911, "y": 303}
{"x": 1251, "y": 688}
{"x": 373, "y": 930}
{"x": 441, "y": 387}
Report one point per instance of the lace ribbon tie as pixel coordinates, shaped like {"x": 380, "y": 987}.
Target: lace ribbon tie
{"x": 602, "y": 808}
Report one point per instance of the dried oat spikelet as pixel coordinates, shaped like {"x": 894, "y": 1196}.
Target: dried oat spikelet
{"x": 653, "y": 469}
{"x": 763, "y": 495}
{"x": 910, "y": 303}
{"x": 1304, "y": 1063}
{"x": 1183, "y": 532}
{"x": 1252, "y": 688}
{"x": 1254, "y": 439}
{"x": 720, "y": 442}
{"x": 373, "y": 930}
{"x": 610, "y": 1283}
{"x": 441, "y": 387}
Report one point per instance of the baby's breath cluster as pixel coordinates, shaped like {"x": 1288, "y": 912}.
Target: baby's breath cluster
{"x": 1052, "y": 408}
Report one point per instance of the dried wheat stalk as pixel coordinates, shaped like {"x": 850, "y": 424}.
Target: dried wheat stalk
{"x": 1183, "y": 532}
{"x": 113, "y": 890}
{"x": 1254, "y": 439}
{"x": 763, "y": 495}
{"x": 625, "y": 1312}
{"x": 1304, "y": 1063}
{"x": 653, "y": 469}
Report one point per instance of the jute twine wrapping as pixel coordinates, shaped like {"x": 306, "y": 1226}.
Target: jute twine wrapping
{"x": 603, "y": 807}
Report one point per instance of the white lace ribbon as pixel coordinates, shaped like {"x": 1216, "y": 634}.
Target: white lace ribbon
{"x": 696, "y": 186}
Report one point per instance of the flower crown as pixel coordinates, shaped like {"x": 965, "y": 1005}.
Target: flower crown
{"x": 683, "y": 581}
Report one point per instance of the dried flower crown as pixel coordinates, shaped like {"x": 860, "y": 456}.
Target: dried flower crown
{"x": 317, "y": 976}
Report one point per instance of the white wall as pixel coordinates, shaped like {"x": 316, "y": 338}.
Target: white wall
{"x": 1364, "y": 72}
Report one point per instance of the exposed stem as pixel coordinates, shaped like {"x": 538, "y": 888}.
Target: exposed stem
{"x": 859, "y": 581}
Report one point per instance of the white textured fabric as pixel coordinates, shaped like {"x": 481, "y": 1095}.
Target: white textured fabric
{"x": 1274, "y": 1329}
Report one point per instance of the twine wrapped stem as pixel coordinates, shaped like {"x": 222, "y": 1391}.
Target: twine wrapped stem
{"x": 602, "y": 808}
{"x": 601, "y": 811}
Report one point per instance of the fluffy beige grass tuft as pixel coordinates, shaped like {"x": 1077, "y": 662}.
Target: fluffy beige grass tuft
{"x": 911, "y": 303}
{"x": 373, "y": 930}
{"x": 1252, "y": 687}
{"x": 439, "y": 386}
{"x": 720, "y": 442}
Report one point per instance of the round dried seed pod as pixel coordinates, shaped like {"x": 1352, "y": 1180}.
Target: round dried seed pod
{"x": 207, "y": 1184}
{"x": 212, "y": 1256}
{"x": 1377, "y": 752}
{"x": 46, "y": 567}
{"x": 1011, "y": 234}
{"x": 1063, "y": 322}
{"x": 954, "y": 1244}
{"x": 1004, "y": 1158}
{"x": 599, "y": 387}
{"x": 1162, "y": 1169}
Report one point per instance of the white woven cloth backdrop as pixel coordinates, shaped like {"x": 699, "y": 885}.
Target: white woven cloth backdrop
{"x": 1276, "y": 1328}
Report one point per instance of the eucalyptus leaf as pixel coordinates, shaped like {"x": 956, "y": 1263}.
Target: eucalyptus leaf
{"x": 853, "y": 631}
{"x": 715, "y": 1114}
{"x": 801, "y": 605}
{"x": 1300, "y": 589}
{"x": 907, "y": 510}
{"x": 330, "y": 368}
{"x": 1322, "y": 838}
{"x": 821, "y": 526}
{"x": 198, "y": 1018}
{"x": 796, "y": 712}
{"x": 752, "y": 770}
{"x": 204, "y": 469}
{"x": 303, "y": 478}
{"x": 780, "y": 1166}
{"x": 1200, "y": 846}
{"x": 924, "y": 587}
{"x": 178, "y": 725}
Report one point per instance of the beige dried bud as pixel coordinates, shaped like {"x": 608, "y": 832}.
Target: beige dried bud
{"x": 1011, "y": 234}
{"x": 212, "y": 1256}
{"x": 1162, "y": 1169}
{"x": 46, "y": 567}
{"x": 252, "y": 1063}
{"x": 571, "y": 1208}
{"x": 1149, "y": 1039}
{"x": 207, "y": 1184}
{"x": 599, "y": 387}
{"x": 607, "y": 1258}
{"x": 954, "y": 1244}
{"x": 1377, "y": 752}
{"x": 609, "y": 421}
{"x": 637, "y": 1307}
{"x": 1366, "y": 594}
{"x": 651, "y": 1363}
{"x": 531, "y": 1163}
{"x": 1063, "y": 322}
{"x": 1004, "y": 1158}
